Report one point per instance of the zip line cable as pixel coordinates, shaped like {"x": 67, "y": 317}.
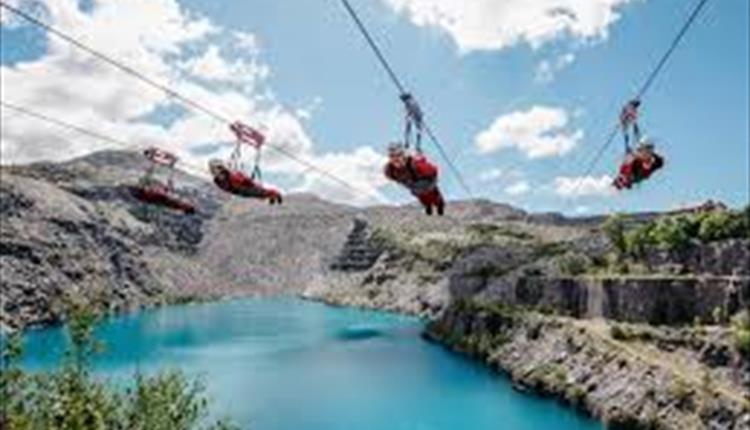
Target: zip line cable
{"x": 672, "y": 48}
{"x": 644, "y": 88}
{"x": 87, "y": 132}
{"x": 78, "y": 129}
{"x": 402, "y": 90}
{"x": 375, "y": 48}
{"x": 170, "y": 92}
{"x": 112, "y": 62}
{"x": 196, "y": 170}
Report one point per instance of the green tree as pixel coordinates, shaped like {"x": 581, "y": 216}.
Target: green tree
{"x": 741, "y": 332}
{"x": 674, "y": 233}
{"x": 614, "y": 228}
{"x": 70, "y": 398}
{"x": 724, "y": 225}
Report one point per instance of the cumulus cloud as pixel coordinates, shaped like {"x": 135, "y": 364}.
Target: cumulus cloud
{"x": 219, "y": 67}
{"x": 491, "y": 175}
{"x": 492, "y": 24}
{"x": 518, "y": 188}
{"x": 247, "y": 42}
{"x": 538, "y": 132}
{"x": 212, "y": 66}
{"x": 547, "y": 69}
{"x": 497, "y": 173}
{"x": 364, "y": 170}
{"x": 583, "y": 186}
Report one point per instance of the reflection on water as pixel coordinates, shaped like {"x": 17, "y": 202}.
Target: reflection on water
{"x": 357, "y": 333}
{"x": 292, "y": 365}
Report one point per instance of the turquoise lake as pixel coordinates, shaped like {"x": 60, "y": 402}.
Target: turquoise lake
{"x": 286, "y": 364}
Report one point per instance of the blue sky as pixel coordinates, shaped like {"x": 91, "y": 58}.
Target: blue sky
{"x": 697, "y": 111}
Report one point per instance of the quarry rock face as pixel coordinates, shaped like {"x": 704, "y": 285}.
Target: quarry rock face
{"x": 53, "y": 242}
{"x": 653, "y": 378}
{"x": 74, "y": 227}
{"x": 638, "y": 344}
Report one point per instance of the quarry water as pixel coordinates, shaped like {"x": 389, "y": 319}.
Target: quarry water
{"x": 286, "y": 364}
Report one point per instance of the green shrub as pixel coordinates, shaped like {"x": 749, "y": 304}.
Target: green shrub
{"x": 632, "y": 333}
{"x": 741, "y": 332}
{"x": 550, "y": 376}
{"x": 576, "y": 395}
{"x": 550, "y": 249}
{"x": 674, "y": 234}
{"x": 572, "y": 264}
{"x": 620, "y": 332}
{"x": 70, "y": 398}
{"x": 638, "y": 240}
{"x": 718, "y": 315}
{"x": 681, "y": 391}
{"x": 486, "y": 232}
{"x": 723, "y": 225}
{"x": 614, "y": 229}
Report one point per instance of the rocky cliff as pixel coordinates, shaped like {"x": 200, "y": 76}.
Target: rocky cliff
{"x": 632, "y": 377}
{"x": 551, "y": 302}
{"x": 75, "y": 228}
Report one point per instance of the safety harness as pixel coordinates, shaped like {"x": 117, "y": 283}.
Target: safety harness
{"x": 628, "y": 121}
{"x": 246, "y": 135}
{"x": 158, "y": 157}
{"x": 414, "y": 123}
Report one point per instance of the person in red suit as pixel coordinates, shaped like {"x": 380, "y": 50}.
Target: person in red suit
{"x": 418, "y": 175}
{"x": 154, "y": 192}
{"x": 638, "y": 166}
{"x": 238, "y": 183}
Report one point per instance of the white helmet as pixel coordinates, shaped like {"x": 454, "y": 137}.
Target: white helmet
{"x": 646, "y": 143}
{"x": 216, "y": 166}
{"x": 396, "y": 148}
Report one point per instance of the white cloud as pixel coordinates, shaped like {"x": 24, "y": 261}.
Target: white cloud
{"x": 491, "y": 175}
{"x": 496, "y": 173}
{"x": 363, "y": 170}
{"x": 247, "y": 42}
{"x": 218, "y": 67}
{"x": 212, "y": 66}
{"x": 583, "y": 186}
{"x": 546, "y": 70}
{"x": 518, "y": 188}
{"x": 306, "y": 112}
{"x": 538, "y": 132}
{"x": 496, "y": 24}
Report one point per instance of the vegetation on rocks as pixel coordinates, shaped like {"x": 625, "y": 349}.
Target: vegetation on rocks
{"x": 674, "y": 233}
{"x": 741, "y": 332}
{"x": 487, "y": 232}
{"x": 573, "y": 264}
{"x": 684, "y": 244}
{"x": 71, "y": 398}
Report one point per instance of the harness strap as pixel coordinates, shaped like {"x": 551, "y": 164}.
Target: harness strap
{"x": 235, "y": 157}
{"x": 256, "y": 174}
{"x": 415, "y": 118}
{"x": 235, "y": 161}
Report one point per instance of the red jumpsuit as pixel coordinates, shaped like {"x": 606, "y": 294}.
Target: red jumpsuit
{"x": 236, "y": 182}
{"x": 420, "y": 177}
{"x": 636, "y": 169}
{"x": 160, "y": 194}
